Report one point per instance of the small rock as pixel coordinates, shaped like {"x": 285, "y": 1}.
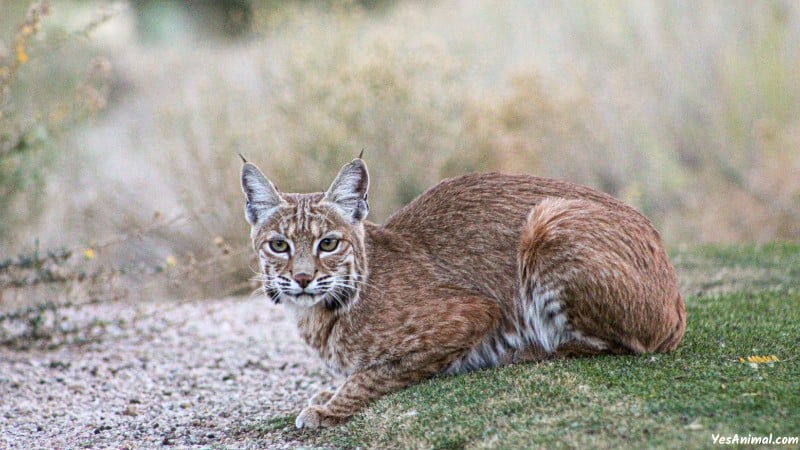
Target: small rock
{"x": 131, "y": 410}
{"x": 695, "y": 425}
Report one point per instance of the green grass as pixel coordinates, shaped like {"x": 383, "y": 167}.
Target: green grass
{"x": 670, "y": 400}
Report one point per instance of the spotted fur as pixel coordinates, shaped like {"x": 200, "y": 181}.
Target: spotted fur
{"x": 480, "y": 271}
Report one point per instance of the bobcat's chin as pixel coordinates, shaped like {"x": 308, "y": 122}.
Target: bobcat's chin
{"x": 304, "y": 300}
{"x": 337, "y": 299}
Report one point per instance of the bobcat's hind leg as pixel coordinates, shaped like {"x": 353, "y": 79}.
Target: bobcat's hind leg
{"x": 595, "y": 279}
{"x": 551, "y": 265}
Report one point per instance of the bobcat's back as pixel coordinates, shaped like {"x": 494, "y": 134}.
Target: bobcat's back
{"x": 470, "y": 226}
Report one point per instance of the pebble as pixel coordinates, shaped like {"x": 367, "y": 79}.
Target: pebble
{"x": 130, "y": 410}
{"x": 209, "y": 372}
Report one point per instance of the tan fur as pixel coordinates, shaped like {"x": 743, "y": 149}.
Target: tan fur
{"x": 481, "y": 270}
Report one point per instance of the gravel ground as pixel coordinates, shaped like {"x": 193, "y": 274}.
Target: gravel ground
{"x": 187, "y": 375}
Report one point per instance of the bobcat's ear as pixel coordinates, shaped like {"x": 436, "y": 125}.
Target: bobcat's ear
{"x": 348, "y": 192}
{"x": 260, "y": 195}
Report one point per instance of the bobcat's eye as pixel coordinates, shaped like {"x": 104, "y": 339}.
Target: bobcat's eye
{"x": 328, "y": 244}
{"x": 279, "y": 246}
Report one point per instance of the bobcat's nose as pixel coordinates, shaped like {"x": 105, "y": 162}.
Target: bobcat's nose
{"x": 303, "y": 279}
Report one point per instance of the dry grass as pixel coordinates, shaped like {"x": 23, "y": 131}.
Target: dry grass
{"x": 692, "y": 116}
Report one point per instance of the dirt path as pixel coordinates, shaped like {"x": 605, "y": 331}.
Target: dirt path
{"x": 190, "y": 375}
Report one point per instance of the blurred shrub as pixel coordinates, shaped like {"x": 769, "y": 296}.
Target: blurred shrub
{"x": 689, "y": 114}
{"x": 162, "y": 21}
{"x": 51, "y": 81}
{"x": 300, "y": 106}
{"x": 341, "y": 88}
{"x": 48, "y": 83}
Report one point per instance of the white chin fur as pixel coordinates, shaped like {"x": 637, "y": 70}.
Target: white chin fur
{"x": 304, "y": 300}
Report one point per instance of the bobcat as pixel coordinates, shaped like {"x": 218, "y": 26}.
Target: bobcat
{"x": 480, "y": 271}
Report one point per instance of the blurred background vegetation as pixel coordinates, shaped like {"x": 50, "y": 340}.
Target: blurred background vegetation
{"x": 120, "y": 122}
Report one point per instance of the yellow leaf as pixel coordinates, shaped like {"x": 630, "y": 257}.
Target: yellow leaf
{"x": 757, "y": 359}
{"x": 22, "y": 56}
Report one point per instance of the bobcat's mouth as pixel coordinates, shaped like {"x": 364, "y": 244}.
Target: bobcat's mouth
{"x": 307, "y": 299}
{"x": 304, "y": 299}
{"x": 332, "y": 297}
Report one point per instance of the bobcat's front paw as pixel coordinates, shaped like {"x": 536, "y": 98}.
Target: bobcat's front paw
{"x": 320, "y": 398}
{"x": 317, "y": 416}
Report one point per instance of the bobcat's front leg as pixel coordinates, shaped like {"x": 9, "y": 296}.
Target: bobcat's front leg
{"x": 355, "y": 393}
{"x": 321, "y": 397}
{"x": 467, "y": 320}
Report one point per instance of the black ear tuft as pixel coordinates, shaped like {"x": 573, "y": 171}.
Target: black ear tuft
{"x": 261, "y": 197}
{"x": 348, "y": 192}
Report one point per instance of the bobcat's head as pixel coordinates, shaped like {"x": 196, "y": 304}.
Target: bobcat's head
{"x": 310, "y": 246}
